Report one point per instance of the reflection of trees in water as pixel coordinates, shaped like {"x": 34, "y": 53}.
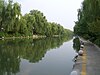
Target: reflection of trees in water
{"x": 76, "y": 44}
{"x": 33, "y": 50}
{"x": 36, "y": 49}
{"x": 9, "y": 60}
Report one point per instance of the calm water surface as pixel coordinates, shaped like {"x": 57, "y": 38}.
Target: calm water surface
{"x": 48, "y": 56}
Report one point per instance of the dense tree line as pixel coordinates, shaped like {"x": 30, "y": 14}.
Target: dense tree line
{"x": 12, "y": 23}
{"x": 88, "y": 24}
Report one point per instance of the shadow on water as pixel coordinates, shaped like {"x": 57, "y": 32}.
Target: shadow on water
{"x": 11, "y": 52}
{"x": 76, "y": 44}
{"x": 76, "y": 47}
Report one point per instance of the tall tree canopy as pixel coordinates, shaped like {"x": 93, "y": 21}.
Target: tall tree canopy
{"x": 88, "y": 24}
{"x": 12, "y": 23}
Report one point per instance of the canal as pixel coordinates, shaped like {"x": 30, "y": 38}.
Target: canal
{"x": 46, "y": 56}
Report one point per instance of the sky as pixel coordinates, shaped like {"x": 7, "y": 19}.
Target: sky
{"x": 63, "y": 12}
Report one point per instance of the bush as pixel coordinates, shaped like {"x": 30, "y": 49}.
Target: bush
{"x": 97, "y": 42}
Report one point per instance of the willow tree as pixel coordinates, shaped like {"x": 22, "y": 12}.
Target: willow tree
{"x": 40, "y": 22}
{"x": 1, "y": 7}
{"x": 30, "y": 19}
{"x": 16, "y": 13}
{"x": 23, "y": 27}
{"x": 8, "y": 16}
{"x": 2, "y": 11}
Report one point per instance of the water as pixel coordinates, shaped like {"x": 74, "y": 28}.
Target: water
{"x": 47, "y": 56}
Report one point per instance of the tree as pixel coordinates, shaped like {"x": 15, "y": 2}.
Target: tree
{"x": 29, "y": 23}
{"x": 2, "y": 6}
{"x": 34, "y": 22}
{"x": 16, "y": 13}
{"x": 23, "y": 28}
{"x": 88, "y": 24}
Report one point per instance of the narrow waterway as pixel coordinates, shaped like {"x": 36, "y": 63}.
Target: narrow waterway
{"x": 48, "y": 56}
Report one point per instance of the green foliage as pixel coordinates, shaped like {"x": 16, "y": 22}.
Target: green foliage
{"x": 23, "y": 28}
{"x": 32, "y": 23}
{"x": 94, "y": 27}
{"x": 97, "y": 41}
{"x": 1, "y": 12}
{"x": 88, "y": 24}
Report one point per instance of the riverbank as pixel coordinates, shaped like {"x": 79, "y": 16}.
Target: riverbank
{"x": 22, "y": 37}
{"x": 88, "y": 64}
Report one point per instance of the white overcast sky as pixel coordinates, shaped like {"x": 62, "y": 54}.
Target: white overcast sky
{"x": 63, "y": 12}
